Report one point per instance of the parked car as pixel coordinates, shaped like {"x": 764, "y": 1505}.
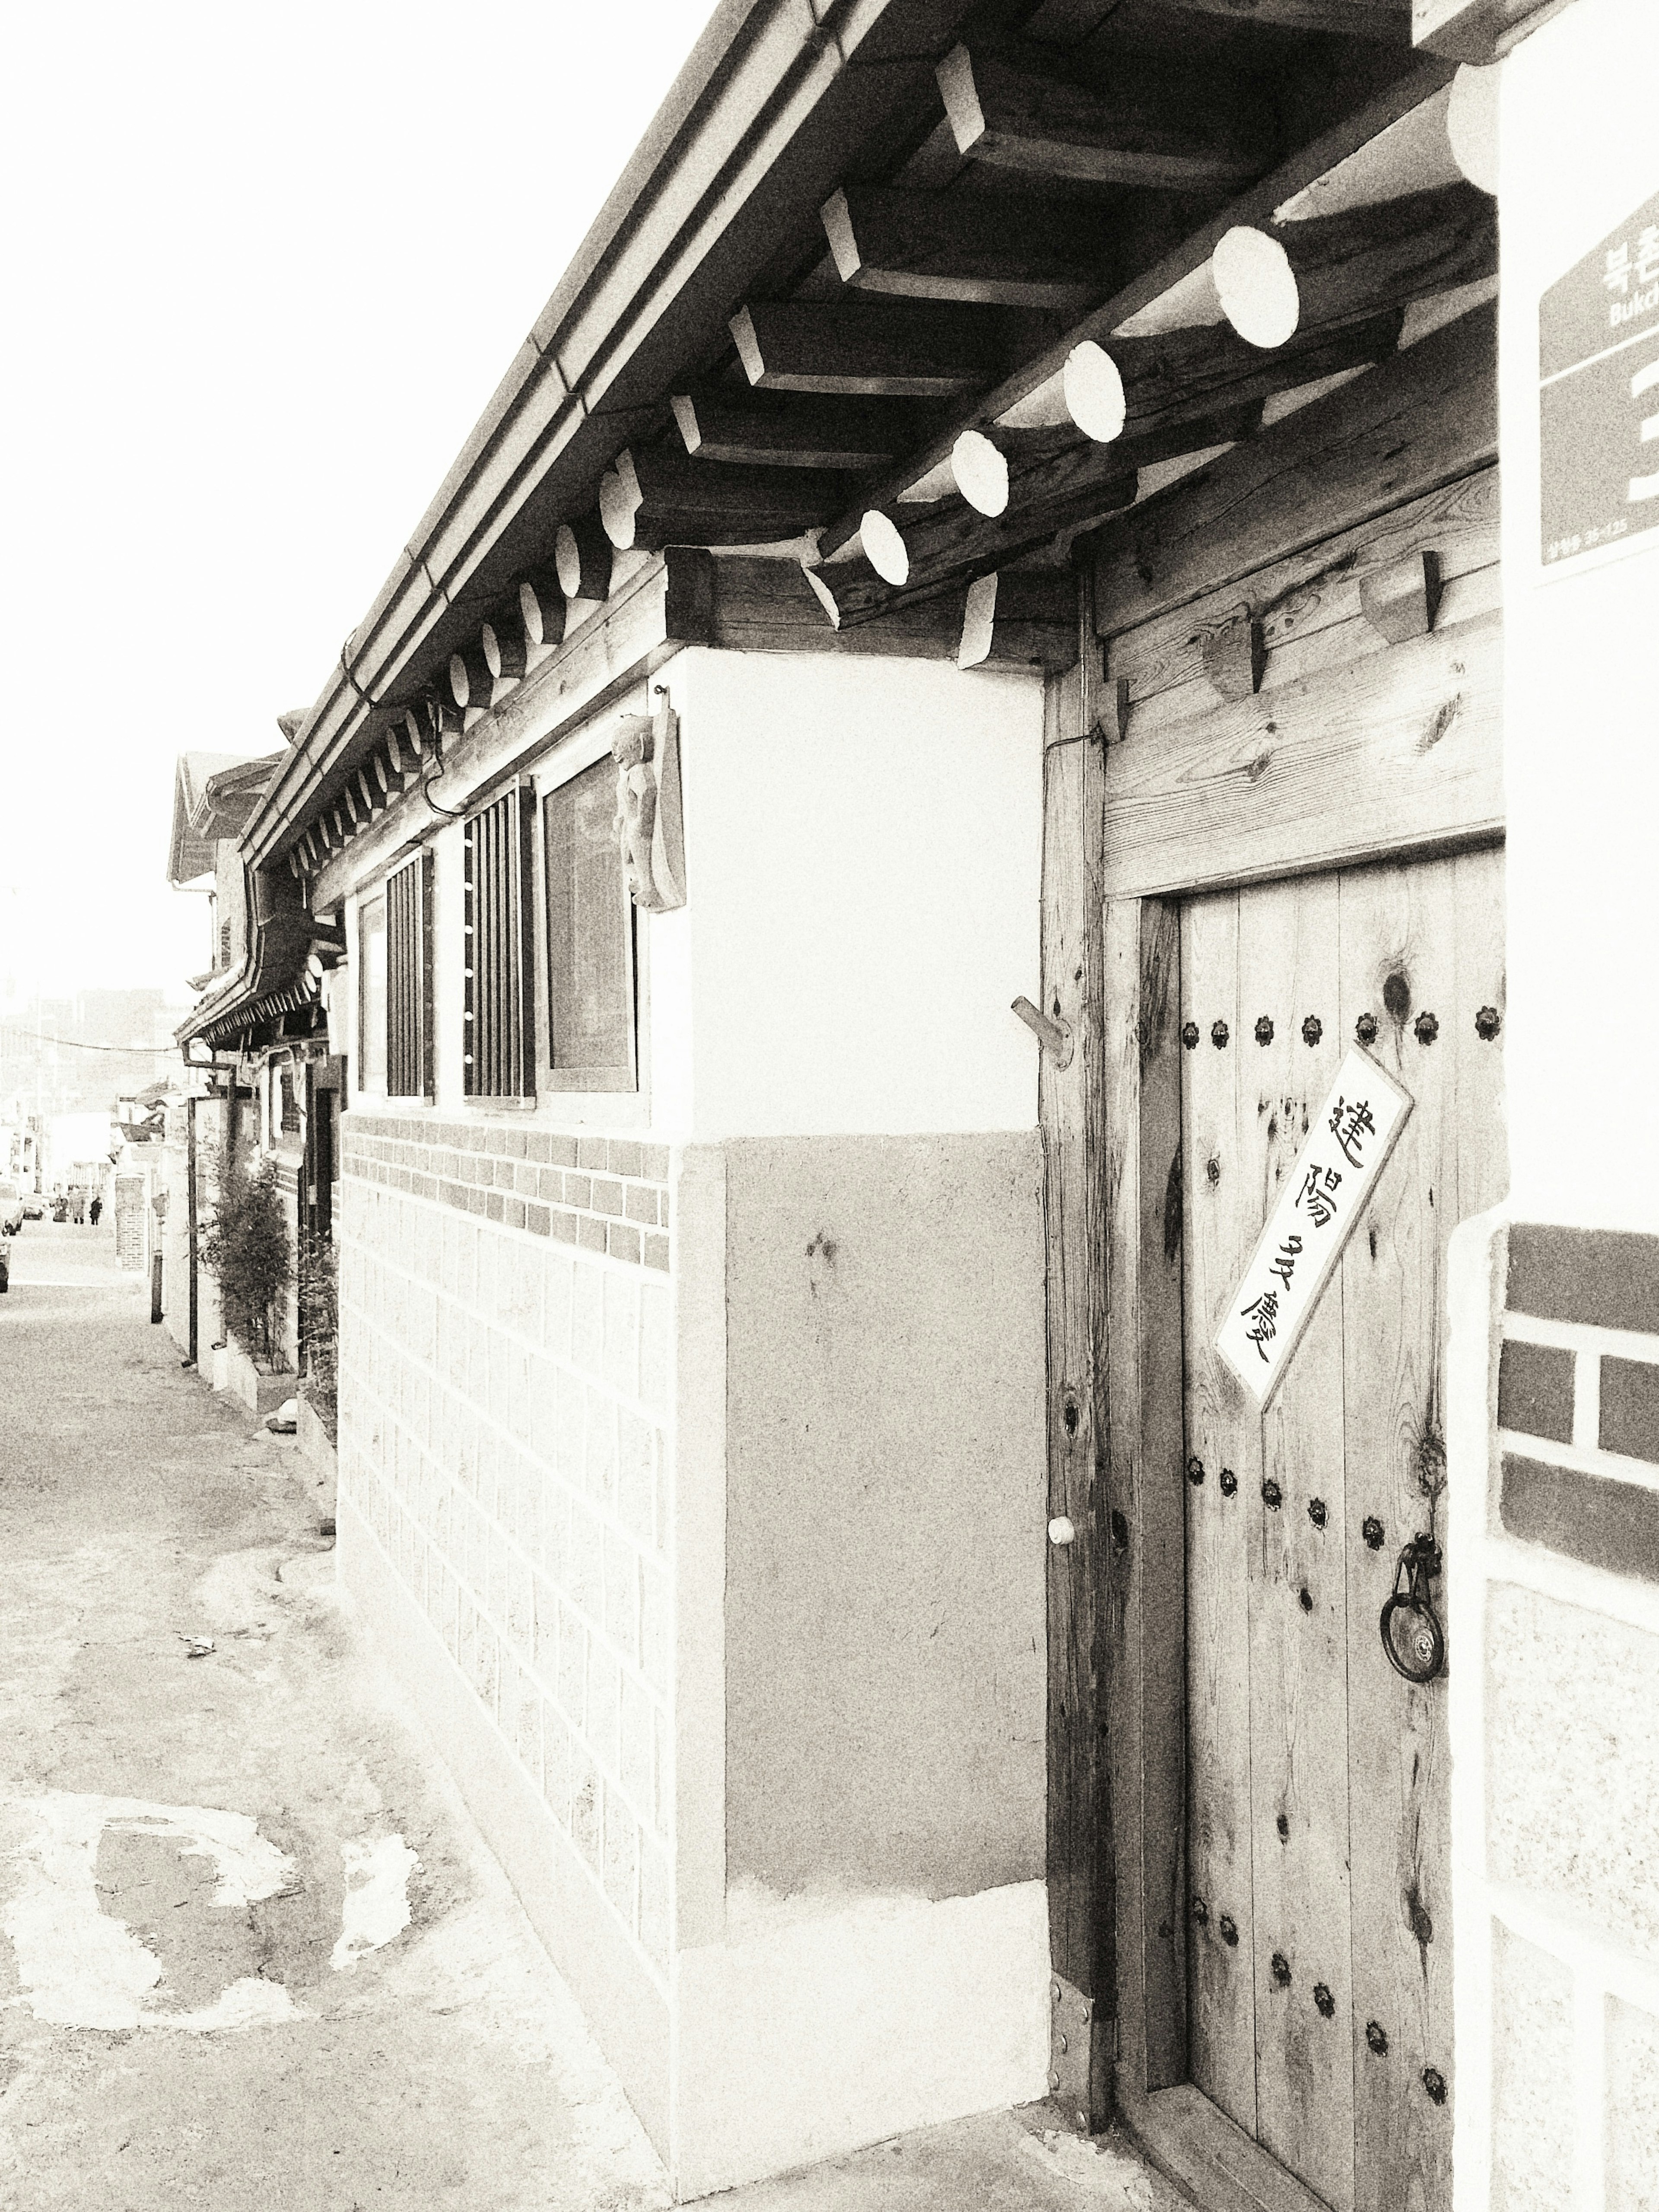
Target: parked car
{"x": 11, "y": 1208}
{"x": 35, "y": 1206}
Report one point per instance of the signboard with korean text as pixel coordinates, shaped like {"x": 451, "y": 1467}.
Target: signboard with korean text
{"x": 1598, "y": 367}
{"x": 1319, "y": 1207}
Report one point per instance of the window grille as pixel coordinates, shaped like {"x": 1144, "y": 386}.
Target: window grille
{"x": 409, "y": 980}
{"x": 497, "y": 1054}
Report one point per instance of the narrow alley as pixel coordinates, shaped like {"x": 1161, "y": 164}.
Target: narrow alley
{"x": 276, "y": 2060}
{"x": 209, "y": 1989}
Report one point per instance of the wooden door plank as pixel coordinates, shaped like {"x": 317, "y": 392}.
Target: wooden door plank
{"x": 1409, "y": 737}
{"x": 1288, "y": 969}
{"x": 1483, "y": 1169}
{"x": 1142, "y": 1106}
{"x": 1220, "y": 1436}
{"x": 1399, "y": 963}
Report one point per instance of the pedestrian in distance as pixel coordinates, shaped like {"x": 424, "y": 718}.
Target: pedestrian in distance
{"x": 79, "y": 1215}
{"x": 94, "y": 1210}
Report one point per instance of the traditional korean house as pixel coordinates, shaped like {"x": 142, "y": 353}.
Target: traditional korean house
{"x": 920, "y": 836}
{"x": 256, "y": 1043}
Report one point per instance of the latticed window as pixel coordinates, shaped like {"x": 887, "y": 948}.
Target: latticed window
{"x": 499, "y": 1054}
{"x": 409, "y": 980}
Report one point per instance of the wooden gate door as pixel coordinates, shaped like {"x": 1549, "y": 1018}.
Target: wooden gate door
{"x": 1319, "y": 1951}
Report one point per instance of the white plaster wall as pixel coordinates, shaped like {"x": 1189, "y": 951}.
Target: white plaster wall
{"x": 811, "y": 2031}
{"x": 864, "y": 847}
{"x": 1580, "y": 152}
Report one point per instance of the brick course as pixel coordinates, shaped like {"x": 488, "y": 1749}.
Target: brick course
{"x": 616, "y": 1201}
{"x": 503, "y": 1434}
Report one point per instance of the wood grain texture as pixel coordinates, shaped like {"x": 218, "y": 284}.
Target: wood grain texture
{"x": 1424, "y": 419}
{"x": 1080, "y": 1867}
{"x": 1398, "y": 959}
{"x": 1145, "y": 1434}
{"x": 1305, "y": 653}
{"x": 1287, "y": 968}
{"x": 1221, "y": 1435}
{"x": 1397, "y": 251}
{"x": 1317, "y": 586}
{"x": 973, "y": 245}
{"x": 1018, "y": 107}
{"x": 1409, "y": 739}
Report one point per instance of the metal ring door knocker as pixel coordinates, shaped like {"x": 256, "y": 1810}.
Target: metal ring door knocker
{"x": 1411, "y": 1634}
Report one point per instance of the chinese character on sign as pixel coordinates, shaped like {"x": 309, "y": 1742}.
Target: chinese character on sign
{"x": 1618, "y": 276}
{"x": 1647, "y": 255}
{"x": 1315, "y": 1209}
{"x": 1349, "y": 1125}
{"x": 1265, "y": 1310}
{"x": 1316, "y": 1195}
{"x": 1284, "y": 1262}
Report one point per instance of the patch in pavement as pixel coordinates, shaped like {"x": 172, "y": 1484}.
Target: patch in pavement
{"x": 135, "y": 1915}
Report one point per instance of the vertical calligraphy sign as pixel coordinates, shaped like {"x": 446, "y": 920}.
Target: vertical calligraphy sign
{"x": 1318, "y": 1210}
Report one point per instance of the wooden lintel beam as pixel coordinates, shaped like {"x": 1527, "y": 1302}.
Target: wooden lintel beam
{"x": 658, "y": 497}
{"x": 1019, "y": 618}
{"x": 1157, "y": 126}
{"x": 747, "y": 602}
{"x": 1025, "y": 253}
{"x": 875, "y": 347}
{"x": 800, "y": 430}
{"x": 1158, "y": 278}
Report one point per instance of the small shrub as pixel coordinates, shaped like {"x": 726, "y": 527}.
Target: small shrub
{"x": 247, "y": 1248}
{"x": 319, "y": 1329}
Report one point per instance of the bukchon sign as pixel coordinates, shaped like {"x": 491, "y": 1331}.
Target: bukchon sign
{"x": 1598, "y": 364}
{"x": 1319, "y": 1208}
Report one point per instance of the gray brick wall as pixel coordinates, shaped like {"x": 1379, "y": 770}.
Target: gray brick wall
{"x": 504, "y": 1434}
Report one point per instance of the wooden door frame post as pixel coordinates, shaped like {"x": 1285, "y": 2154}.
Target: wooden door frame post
{"x": 1082, "y": 1919}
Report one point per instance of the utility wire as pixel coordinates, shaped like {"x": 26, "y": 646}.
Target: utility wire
{"x": 81, "y": 1044}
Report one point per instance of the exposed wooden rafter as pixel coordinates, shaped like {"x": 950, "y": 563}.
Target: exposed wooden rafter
{"x": 1155, "y": 384}
{"x": 1185, "y": 381}
{"x": 791, "y": 431}
{"x": 990, "y": 248}
{"x": 655, "y": 497}
{"x": 1153, "y": 124}
{"x": 876, "y": 347}
{"x": 1277, "y": 277}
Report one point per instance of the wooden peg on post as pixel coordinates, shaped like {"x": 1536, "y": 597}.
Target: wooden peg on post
{"x": 1402, "y": 600}
{"x": 1054, "y": 1036}
{"x": 1236, "y": 656}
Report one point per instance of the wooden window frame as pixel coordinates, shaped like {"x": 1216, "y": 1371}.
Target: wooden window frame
{"x": 367, "y": 904}
{"x": 409, "y": 980}
{"x": 498, "y": 1043}
{"x": 623, "y": 1078}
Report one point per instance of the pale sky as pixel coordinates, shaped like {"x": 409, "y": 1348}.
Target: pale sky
{"x": 263, "y": 267}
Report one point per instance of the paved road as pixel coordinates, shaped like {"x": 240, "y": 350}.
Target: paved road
{"x": 191, "y": 2008}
